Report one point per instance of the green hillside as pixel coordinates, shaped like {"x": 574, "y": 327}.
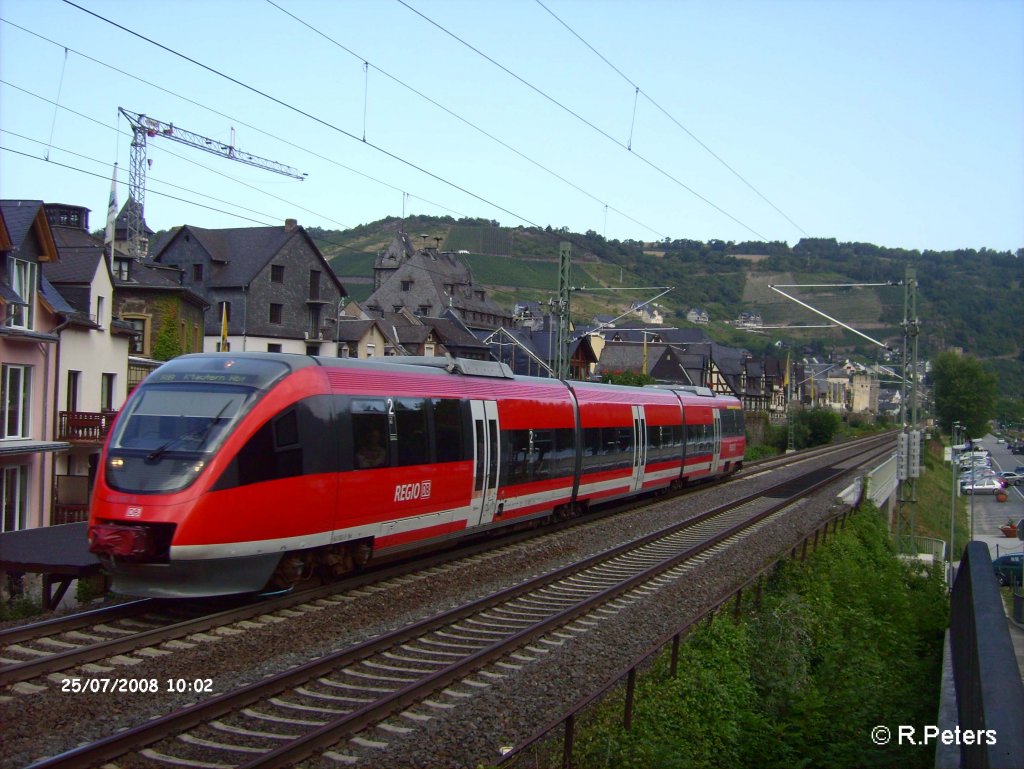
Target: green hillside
{"x": 966, "y": 299}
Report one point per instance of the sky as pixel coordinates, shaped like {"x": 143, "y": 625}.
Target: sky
{"x": 895, "y": 122}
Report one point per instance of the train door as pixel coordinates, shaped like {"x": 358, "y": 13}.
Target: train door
{"x": 639, "y": 446}
{"x": 486, "y": 459}
{"x": 716, "y": 451}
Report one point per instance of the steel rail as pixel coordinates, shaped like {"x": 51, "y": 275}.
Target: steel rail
{"x": 135, "y": 738}
{"x": 58, "y": 661}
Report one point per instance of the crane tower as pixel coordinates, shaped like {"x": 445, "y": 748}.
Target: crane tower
{"x": 144, "y": 127}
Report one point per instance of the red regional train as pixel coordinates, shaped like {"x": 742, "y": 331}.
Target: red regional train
{"x": 235, "y": 473}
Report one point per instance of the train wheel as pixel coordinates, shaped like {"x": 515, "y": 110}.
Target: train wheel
{"x": 289, "y": 572}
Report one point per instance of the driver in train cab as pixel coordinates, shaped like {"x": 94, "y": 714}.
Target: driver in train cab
{"x": 372, "y": 454}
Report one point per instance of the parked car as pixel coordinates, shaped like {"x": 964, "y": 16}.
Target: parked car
{"x": 977, "y": 474}
{"x": 990, "y": 485}
{"x": 1009, "y": 568}
{"x": 1011, "y": 477}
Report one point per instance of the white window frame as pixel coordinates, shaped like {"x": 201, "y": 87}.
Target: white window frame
{"x": 17, "y": 398}
{"x": 13, "y": 497}
{"x": 140, "y": 344}
{"x": 23, "y": 276}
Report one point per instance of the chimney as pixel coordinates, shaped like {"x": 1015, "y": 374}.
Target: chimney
{"x": 290, "y": 224}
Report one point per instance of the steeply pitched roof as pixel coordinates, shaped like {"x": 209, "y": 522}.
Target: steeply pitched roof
{"x": 157, "y": 277}
{"x": 667, "y": 335}
{"x": 399, "y": 249}
{"x": 20, "y": 217}
{"x": 243, "y": 252}
{"x": 435, "y": 280}
{"x": 353, "y": 330}
{"x": 80, "y": 256}
{"x": 54, "y": 298}
{"x": 665, "y": 362}
{"x": 121, "y": 222}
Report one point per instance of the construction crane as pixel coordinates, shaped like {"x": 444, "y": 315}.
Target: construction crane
{"x": 144, "y": 127}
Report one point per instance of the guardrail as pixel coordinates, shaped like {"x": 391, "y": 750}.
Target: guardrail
{"x": 91, "y": 426}
{"x": 989, "y": 691}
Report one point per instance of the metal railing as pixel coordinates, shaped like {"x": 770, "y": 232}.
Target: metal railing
{"x": 989, "y": 691}
{"x": 85, "y": 425}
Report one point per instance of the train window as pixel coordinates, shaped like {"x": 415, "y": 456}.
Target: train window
{"x": 732, "y": 422}
{"x": 411, "y": 421}
{"x": 287, "y": 456}
{"x": 531, "y": 455}
{"x": 563, "y": 461}
{"x": 492, "y": 437}
{"x": 518, "y": 457}
{"x": 448, "y": 430}
{"x": 593, "y": 447}
{"x": 544, "y": 453}
{"x": 699, "y": 439}
{"x": 677, "y": 435}
{"x": 286, "y": 430}
{"x": 479, "y": 432}
{"x": 370, "y": 433}
{"x": 606, "y": 448}
{"x": 624, "y": 440}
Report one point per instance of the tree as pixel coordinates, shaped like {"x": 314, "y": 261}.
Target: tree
{"x": 964, "y": 392}
{"x": 629, "y": 378}
{"x": 814, "y": 427}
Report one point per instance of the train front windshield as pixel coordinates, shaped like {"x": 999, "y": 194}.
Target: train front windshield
{"x": 175, "y": 422}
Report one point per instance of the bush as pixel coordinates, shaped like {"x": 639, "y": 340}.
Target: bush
{"x": 848, "y": 640}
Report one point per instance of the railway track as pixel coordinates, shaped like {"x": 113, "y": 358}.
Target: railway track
{"x": 349, "y": 705}
{"x": 109, "y": 637}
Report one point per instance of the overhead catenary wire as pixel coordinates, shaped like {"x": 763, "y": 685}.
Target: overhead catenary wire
{"x": 460, "y": 118}
{"x": 304, "y": 113}
{"x": 164, "y": 149}
{"x": 654, "y": 166}
{"x": 321, "y": 121}
{"x": 274, "y": 221}
{"x": 236, "y": 120}
{"x": 161, "y": 194}
{"x": 687, "y": 131}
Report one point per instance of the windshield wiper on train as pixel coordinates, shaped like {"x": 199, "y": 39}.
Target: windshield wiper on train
{"x": 199, "y": 436}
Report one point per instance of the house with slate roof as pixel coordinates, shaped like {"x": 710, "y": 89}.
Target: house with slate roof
{"x": 272, "y": 285}
{"x": 92, "y": 377}
{"x": 531, "y": 352}
{"x": 664, "y": 362}
{"x": 167, "y": 318}
{"x": 28, "y": 363}
{"x": 428, "y": 282}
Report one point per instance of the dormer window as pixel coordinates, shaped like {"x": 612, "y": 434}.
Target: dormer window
{"x": 23, "y": 277}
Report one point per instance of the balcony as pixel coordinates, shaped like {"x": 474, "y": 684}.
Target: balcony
{"x": 85, "y": 426}
{"x": 71, "y": 499}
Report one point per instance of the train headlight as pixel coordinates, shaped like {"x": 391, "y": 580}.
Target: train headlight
{"x": 117, "y": 462}
{"x": 199, "y": 466}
